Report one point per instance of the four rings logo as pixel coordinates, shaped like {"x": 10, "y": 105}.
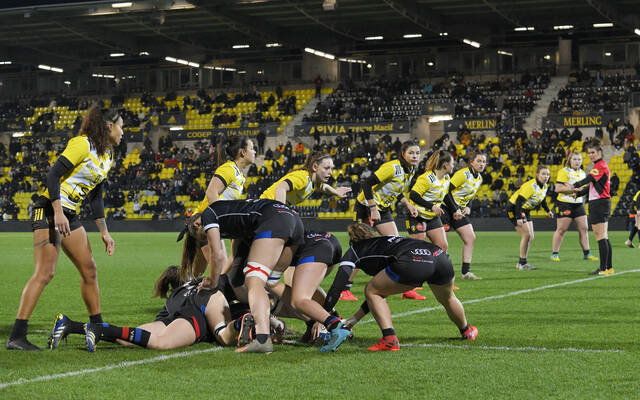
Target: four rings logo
{"x": 421, "y": 252}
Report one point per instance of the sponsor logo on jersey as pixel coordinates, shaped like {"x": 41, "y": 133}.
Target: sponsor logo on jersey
{"x": 421, "y": 252}
{"x": 438, "y": 252}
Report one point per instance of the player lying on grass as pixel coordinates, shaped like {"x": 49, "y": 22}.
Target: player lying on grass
{"x": 190, "y": 315}
{"x": 396, "y": 264}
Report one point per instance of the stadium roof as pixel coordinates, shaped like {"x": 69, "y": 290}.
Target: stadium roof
{"x": 200, "y": 30}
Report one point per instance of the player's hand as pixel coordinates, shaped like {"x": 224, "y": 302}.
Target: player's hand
{"x": 550, "y": 214}
{"x": 437, "y": 210}
{"x": 109, "y": 244}
{"x": 342, "y": 191}
{"x": 61, "y": 224}
{"x": 466, "y": 211}
{"x": 315, "y": 330}
{"x": 375, "y": 214}
{"x": 520, "y": 222}
{"x": 207, "y": 284}
{"x": 458, "y": 215}
{"x": 413, "y": 211}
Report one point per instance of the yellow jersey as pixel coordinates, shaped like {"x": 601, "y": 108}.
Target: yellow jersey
{"x": 432, "y": 189}
{"x": 394, "y": 181}
{"x": 233, "y": 180}
{"x": 570, "y": 175}
{"x": 532, "y": 193}
{"x": 466, "y": 186}
{"x": 301, "y": 187}
{"x": 89, "y": 170}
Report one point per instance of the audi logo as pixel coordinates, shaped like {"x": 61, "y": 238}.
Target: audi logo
{"x": 421, "y": 252}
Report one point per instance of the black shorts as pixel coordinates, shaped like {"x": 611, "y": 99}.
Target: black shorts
{"x": 319, "y": 251}
{"x": 363, "y": 214}
{"x": 193, "y": 315}
{"x": 421, "y": 264}
{"x": 569, "y": 210}
{"x": 279, "y": 221}
{"x": 42, "y": 216}
{"x": 510, "y": 214}
{"x": 599, "y": 211}
{"x": 422, "y": 225}
{"x": 448, "y": 220}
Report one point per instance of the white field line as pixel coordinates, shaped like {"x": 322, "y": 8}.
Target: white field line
{"x": 510, "y": 294}
{"x": 508, "y": 348}
{"x": 125, "y": 364}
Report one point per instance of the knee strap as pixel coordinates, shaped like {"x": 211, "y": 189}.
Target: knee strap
{"x": 257, "y": 270}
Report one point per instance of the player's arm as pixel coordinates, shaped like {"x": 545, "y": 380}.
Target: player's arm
{"x": 97, "y": 208}
{"x": 282, "y": 189}
{"x": 638, "y": 212}
{"x": 56, "y": 172}
{"x": 367, "y": 189}
{"x": 217, "y": 185}
{"x": 339, "y": 192}
{"x": 339, "y": 283}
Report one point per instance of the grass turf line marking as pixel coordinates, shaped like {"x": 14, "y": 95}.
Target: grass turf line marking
{"x": 502, "y": 296}
{"x": 23, "y": 381}
{"x": 508, "y": 348}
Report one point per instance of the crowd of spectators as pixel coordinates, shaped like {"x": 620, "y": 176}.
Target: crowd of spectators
{"x": 590, "y": 92}
{"x": 385, "y": 100}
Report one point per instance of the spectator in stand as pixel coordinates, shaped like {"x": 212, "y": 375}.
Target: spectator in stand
{"x": 318, "y": 84}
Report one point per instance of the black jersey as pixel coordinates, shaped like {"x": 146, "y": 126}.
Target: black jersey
{"x": 188, "y": 295}
{"x": 254, "y": 219}
{"x": 320, "y": 247}
{"x": 375, "y": 254}
{"x": 234, "y": 218}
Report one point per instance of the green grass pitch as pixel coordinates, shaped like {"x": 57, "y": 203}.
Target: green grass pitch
{"x": 552, "y": 333}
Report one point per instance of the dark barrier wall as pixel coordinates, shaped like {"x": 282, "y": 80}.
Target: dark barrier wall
{"x": 479, "y": 224}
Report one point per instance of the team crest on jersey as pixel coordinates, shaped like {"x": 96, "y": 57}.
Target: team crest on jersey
{"x": 398, "y": 170}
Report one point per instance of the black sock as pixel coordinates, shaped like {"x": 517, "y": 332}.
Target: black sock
{"x": 388, "y": 332}
{"x": 603, "y": 249}
{"x": 364, "y": 307}
{"x": 96, "y": 319}
{"x": 586, "y": 252}
{"x": 555, "y": 253}
{"x": 464, "y": 329}
{"x": 465, "y": 267}
{"x": 610, "y": 255}
{"x": 19, "y": 329}
{"x": 262, "y": 338}
{"x": 522, "y": 261}
{"x": 633, "y": 232}
{"x": 331, "y": 323}
{"x": 132, "y": 335}
{"x": 75, "y": 326}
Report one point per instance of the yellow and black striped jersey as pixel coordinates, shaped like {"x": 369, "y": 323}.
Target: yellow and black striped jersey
{"x": 394, "y": 181}
{"x": 301, "y": 187}
{"x": 466, "y": 186}
{"x": 233, "y": 180}
{"x": 89, "y": 170}
{"x": 432, "y": 189}
{"x": 532, "y": 193}
{"x": 636, "y": 199}
{"x": 570, "y": 175}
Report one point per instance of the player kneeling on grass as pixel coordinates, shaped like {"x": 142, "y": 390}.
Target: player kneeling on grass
{"x": 190, "y": 315}
{"x": 397, "y": 264}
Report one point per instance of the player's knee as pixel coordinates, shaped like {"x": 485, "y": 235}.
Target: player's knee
{"x": 530, "y": 237}
{"x": 44, "y": 275}
{"x": 469, "y": 238}
{"x": 90, "y": 272}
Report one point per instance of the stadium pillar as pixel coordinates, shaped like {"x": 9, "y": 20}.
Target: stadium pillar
{"x": 564, "y": 56}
